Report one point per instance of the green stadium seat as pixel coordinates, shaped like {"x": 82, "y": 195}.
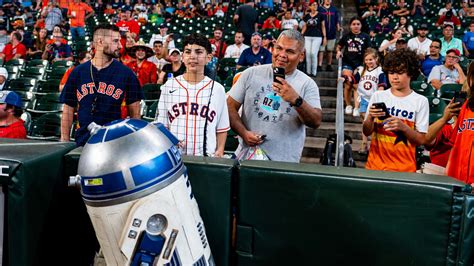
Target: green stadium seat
{"x": 24, "y": 86}
{"x": 423, "y": 88}
{"x": 16, "y": 62}
{"x": 61, "y": 64}
{"x": 56, "y": 73}
{"x": 46, "y": 127}
{"x": 13, "y": 71}
{"x": 437, "y": 106}
{"x": 48, "y": 103}
{"x": 151, "y": 112}
{"x": 37, "y": 62}
{"x": 447, "y": 90}
{"x": 152, "y": 92}
{"x": 48, "y": 86}
{"x": 36, "y": 72}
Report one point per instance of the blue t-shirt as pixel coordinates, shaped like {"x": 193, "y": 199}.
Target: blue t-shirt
{"x": 429, "y": 63}
{"x": 102, "y": 105}
{"x": 248, "y": 58}
{"x": 468, "y": 40}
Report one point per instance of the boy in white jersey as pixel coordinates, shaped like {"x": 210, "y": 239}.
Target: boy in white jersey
{"x": 394, "y": 139}
{"x": 193, "y": 106}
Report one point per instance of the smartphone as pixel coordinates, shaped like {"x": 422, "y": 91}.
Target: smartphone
{"x": 278, "y": 72}
{"x": 382, "y": 106}
{"x": 460, "y": 97}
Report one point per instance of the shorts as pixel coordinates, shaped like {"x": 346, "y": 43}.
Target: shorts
{"x": 364, "y": 105}
{"x": 330, "y": 45}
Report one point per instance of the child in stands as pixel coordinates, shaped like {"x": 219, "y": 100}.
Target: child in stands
{"x": 397, "y": 118}
{"x": 368, "y": 79}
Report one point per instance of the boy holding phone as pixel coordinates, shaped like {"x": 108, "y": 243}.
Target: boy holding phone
{"x": 397, "y": 130}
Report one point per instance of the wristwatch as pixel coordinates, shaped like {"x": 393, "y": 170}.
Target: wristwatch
{"x": 298, "y": 102}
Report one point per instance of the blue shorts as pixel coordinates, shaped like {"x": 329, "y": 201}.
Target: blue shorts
{"x": 364, "y": 105}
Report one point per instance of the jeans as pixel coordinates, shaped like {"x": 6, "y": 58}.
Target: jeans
{"x": 78, "y": 33}
{"x": 311, "y": 45}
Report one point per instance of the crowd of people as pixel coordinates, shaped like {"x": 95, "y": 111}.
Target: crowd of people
{"x": 266, "y": 111}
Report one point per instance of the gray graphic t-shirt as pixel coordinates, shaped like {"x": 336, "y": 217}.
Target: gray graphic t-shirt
{"x": 267, "y": 113}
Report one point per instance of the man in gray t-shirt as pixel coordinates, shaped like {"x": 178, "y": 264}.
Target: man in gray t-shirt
{"x": 448, "y": 73}
{"x": 279, "y": 111}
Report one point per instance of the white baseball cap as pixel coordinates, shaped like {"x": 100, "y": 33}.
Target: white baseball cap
{"x": 174, "y": 50}
{"x": 3, "y": 72}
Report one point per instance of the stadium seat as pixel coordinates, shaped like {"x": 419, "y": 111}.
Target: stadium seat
{"x": 48, "y": 86}
{"x": 36, "y": 72}
{"x": 151, "y": 112}
{"x": 61, "y": 64}
{"x": 436, "y": 108}
{"x": 422, "y": 88}
{"x": 56, "y": 73}
{"x": 46, "y": 127}
{"x": 26, "y": 117}
{"x": 16, "y": 62}
{"x": 23, "y": 86}
{"x": 48, "y": 103}
{"x": 13, "y": 72}
{"x": 152, "y": 92}
{"x": 37, "y": 62}
{"x": 447, "y": 91}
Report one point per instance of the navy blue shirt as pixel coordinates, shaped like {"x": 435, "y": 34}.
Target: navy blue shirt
{"x": 101, "y": 105}
{"x": 248, "y": 58}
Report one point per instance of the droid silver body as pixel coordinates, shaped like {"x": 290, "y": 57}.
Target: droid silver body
{"x": 138, "y": 196}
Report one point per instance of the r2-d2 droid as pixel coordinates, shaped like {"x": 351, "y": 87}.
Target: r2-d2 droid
{"x": 139, "y": 198}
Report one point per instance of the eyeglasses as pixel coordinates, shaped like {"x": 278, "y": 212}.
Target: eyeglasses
{"x": 437, "y": 47}
{"x": 57, "y": 37}
{"x": 452, "y": 57}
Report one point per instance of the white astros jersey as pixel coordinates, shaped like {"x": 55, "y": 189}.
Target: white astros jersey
{"x": 369, "y": 82}
{"x": 182, "y": 109}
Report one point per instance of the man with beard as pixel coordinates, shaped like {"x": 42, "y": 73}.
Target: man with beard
{"x": 420, "y": 44}
{"x": 220, "y": 44}
{"x": 255, "y": 55}
{"x": 98, "y": 87}
{"x": 236, "y": 49}
{"x": 145, "y": 71}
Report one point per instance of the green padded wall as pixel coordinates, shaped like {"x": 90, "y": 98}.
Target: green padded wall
{"x": 211, "y": 180}
{"x": 35, "y": 172}
{"x": 298, "y": 214}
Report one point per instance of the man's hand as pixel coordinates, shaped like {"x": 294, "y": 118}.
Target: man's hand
{"x": 49, "y": 47}
{"x": 338, "y": 54}
{"x": 285, "y": 91}
{"x": 251, "y": 138}
{"x": 395, "y": 124}
{"x": 219, "y": 154}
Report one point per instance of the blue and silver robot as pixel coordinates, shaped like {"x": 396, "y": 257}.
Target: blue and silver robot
{"x": 139, "y": 198}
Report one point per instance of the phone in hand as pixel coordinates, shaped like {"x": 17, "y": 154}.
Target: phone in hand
{"x": 381, "y": 105}
{"x": 460, "y": 97}
{"x": 278, "y": 72}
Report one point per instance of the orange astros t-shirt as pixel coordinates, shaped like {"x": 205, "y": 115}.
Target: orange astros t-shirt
{"x": 391, "y": 151}
{"x": 78, "y": 13}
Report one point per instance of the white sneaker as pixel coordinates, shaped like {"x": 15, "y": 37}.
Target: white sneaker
{"x": 356, "y": 113}
{"x": 348, "y": 110}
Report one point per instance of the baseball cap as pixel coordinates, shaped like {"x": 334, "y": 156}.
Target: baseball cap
{"x": 257, "y": 33}
{"x": 455, "y": 51}
{"x": 401, "y": 40}
{"x": 174, "y": 50}
{"x": 423, "y": 26}
{"x": 11, "y": 97}
{"x": 448, "y": 25}
{"x": 3, "y": 72}
{"x": 268, "y": 37}
{"x": 163, "y": 25}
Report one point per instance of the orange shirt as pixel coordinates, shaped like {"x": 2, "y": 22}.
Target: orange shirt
{"x": 78, "y": 14}
{"x": 461, "y": 161}
{"x": 146, "y": 73}
{"x": 64, "y": 4}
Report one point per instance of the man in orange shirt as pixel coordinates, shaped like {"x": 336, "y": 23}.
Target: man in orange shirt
{"x": 77, "y": 18}
{"x": 146, "y": 71}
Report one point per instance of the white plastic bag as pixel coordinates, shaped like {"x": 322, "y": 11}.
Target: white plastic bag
{"x": 252, "y": 153}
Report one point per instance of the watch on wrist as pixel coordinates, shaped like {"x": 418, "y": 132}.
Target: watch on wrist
{"x": 298, "y": 102}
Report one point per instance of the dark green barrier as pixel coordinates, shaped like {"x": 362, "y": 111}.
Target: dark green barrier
{"x": 35, "y": 176}
{"x": 297, "y": 214}
{"x": 211, "y": 184}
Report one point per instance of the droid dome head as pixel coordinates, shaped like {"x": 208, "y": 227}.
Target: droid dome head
{"x": 128, "y": 159}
